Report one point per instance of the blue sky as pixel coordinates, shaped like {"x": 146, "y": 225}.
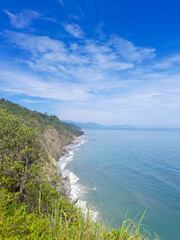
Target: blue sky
{"x": 110, "y": 62}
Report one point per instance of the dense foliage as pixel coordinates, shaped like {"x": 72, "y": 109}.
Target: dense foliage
{"x": 21, "y": 158}
{"x": 20, "y": 151}
{"x": 40, "y": 120}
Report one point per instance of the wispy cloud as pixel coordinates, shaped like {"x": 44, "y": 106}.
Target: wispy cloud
{"x": 74, "y": 30}
{"x": 167, "y": 62}
{"x": 61, "y": 2}
{"x": 110, "y": 77}
{"x": 142, "y": 107}
{"x": 129, "y": 51}
{"x": 88, "y": 60}
{"x": 23, "y": 19}
{"x": 22, "y": 83}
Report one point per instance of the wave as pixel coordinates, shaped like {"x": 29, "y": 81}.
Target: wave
{"x": 74, "y": 189}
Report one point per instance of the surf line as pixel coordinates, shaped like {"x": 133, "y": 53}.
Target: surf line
{"x": 72, "y": 187}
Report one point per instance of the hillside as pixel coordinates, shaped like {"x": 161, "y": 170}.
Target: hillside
{"x": 33, "y": 201}
{"x": 54, "y": 133}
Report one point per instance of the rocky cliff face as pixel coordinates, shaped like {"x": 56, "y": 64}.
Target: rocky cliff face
{"x": 54, "y": 146}
{"x": 53, "y": 143}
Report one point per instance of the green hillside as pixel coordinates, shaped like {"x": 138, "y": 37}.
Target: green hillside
{"x": 40, "y": 120}
{"x": 33, "y": 201}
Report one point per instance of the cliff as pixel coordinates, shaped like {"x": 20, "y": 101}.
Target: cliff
{"x": 53, "y": 133}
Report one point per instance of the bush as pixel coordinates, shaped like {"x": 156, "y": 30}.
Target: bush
{"x": 20, "y": 150}
{"x": 16, "y": 222}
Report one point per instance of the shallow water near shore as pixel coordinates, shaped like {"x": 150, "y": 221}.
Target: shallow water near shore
{"x": 131, "y": 170}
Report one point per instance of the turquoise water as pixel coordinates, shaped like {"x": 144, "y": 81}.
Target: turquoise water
{"x": 132, "y": 170}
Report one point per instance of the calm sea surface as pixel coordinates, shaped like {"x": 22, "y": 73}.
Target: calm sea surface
{"x": 134, "y": 171}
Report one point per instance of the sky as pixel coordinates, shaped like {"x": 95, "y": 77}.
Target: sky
{"x": 109, "y": 62}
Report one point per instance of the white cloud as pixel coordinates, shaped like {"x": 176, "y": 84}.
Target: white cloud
{"x": 35, "y": 44}
{"x": 142, "y": 107}
{"x": 175, "y": 90}
{"x": 167, "y": 62}
{"x": 128, "y": 51}
{"x": 89, "y": 61}
{"x": 74, "y": 30}
{"x": 23, "y": 19}
{"x": 110, "y": 79}
{"x": 22, "y": 83}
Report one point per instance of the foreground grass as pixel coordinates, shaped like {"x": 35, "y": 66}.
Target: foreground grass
{"x": 83, "y": 228}
{"x": 63, "y": 223}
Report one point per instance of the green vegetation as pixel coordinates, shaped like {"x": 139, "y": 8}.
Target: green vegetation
{"x": 31, "y": 205}
{"x": 40, "y": 120}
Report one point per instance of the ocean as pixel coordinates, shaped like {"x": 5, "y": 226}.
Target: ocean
{"x": 120, "y": 172}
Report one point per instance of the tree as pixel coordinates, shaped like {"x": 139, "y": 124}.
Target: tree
{"x": 20, "y": 152}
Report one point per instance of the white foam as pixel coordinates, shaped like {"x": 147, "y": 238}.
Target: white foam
{"x": 63, "y": 161}
{"x": 73, "y": 178}
{"x": 86, "y": 210}
{"x": 74, "y": 189}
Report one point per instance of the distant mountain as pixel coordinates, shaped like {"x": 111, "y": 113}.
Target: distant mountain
{"x": 95, "y": 126}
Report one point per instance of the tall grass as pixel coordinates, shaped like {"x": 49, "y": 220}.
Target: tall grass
{"x": 80, "y": 226}
{"x": 64, "y": 222}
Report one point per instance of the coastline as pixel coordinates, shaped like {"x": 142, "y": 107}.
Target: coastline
{"x": 71, "y": 144}
{"x": 71, "y": 182}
